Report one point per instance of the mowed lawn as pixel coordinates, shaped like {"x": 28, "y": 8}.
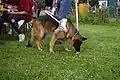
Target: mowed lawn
{"x": 99, "y": 58}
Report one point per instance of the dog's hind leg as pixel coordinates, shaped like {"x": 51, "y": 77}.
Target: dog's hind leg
{"x": 38, "y": 40}
{"x": 38, "y": 44}
{"x": 38, "y": 33}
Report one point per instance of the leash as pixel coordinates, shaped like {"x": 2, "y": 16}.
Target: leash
{"x": 50, "y": 14}
{"x": 62, "y": 24}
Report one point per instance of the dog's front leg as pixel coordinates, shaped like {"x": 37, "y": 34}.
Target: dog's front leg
{"x": 65, "y": 47}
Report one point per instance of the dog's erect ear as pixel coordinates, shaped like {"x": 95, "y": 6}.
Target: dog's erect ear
{"x": 83, "y": 38}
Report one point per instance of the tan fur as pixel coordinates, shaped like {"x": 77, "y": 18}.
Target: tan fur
{"x": 39, "y": 28}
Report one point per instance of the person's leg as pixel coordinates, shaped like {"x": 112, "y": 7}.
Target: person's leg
{"x": 15, "y": 26}
{"x": 63, "y": 8}
{"x": 1, "y": 24}
{"x": 14, "y": 21}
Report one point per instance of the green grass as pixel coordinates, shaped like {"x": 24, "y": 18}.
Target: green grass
{"x": 99, "y": 58}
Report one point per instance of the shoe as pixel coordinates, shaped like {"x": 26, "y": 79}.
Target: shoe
{"x": 21, "y": 37}
{"x": 58, "y": 42}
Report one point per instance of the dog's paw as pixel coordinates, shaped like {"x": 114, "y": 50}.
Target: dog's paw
{"x": 77, "y": 52}
{"x": 40, "y": 49}
{"x": 28, "y": 45}
{"x": 51, "y": 50}
{"x": 66, "y": 49}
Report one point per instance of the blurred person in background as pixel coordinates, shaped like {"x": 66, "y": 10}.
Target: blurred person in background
{"x": 34, "y": 8}
{"x": 24, "y": 12}
{"x": 63, "y": 7}
{"x": 48, "y": 4}
{"x": 38, "y": 9}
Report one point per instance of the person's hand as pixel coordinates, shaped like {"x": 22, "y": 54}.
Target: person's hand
{"x": 18, "y": 13}
{"x": 54, "y": 4}
{"x": 11, "y": 12}
{"x": 33, "y": 8}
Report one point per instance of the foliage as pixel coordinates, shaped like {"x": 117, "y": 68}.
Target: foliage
{"x": 99, "y": 17}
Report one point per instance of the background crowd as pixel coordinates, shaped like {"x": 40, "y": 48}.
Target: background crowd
{"x": 19, "y": 11}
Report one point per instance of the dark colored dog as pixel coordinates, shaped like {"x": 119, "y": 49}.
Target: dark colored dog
{"x": 45, "y": 24}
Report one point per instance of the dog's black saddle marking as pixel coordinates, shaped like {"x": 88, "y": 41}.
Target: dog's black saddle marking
{"x": 47, "y": 18}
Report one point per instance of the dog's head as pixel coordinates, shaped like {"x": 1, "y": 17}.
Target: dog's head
{"x": 75, "y": 38}
{"x": 77, "y": 41}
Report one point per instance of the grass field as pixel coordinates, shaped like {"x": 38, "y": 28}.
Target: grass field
{"x": 99, "y": 58}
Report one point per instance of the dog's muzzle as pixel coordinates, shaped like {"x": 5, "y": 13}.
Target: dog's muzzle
{"x": 77, "y": 45}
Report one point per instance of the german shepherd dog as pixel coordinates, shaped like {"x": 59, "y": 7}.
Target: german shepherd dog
{"x": 46, "y": 24}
